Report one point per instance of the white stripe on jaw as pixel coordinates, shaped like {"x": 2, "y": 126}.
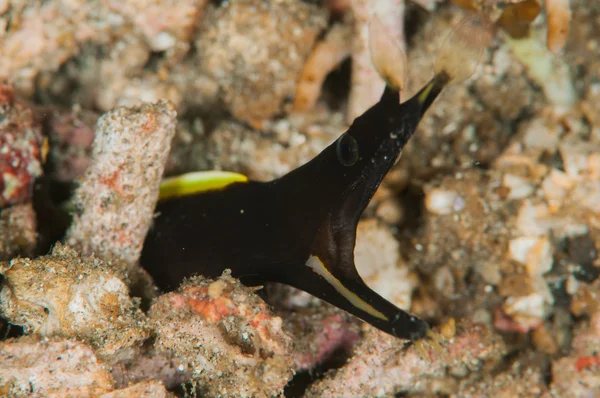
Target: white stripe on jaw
{"x": 317, "y": 265}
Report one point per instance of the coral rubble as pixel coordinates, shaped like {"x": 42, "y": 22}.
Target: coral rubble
{"x": 233, "y": 344}
{"x": 491, "y": 216}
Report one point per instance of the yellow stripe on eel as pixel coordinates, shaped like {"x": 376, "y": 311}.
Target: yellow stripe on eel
{"x": 423, "y": 96}
{"x": 317, "y": 265}
{"x": 196, "y": 182}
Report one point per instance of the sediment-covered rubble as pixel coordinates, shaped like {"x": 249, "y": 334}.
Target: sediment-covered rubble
{"x": 490, "y": 221}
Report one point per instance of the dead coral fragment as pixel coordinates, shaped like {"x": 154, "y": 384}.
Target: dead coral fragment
{"x": 30, "y": 366}
{"x": 255, "y": 50}
{"x": 20, "y": 150}
{"x": 519, "y": 381}
{"x": 119, "y": 191}
{"x": 233, "y": 343}
{"x": 145, "y": 389}
{"x": 578, "y": 375}
{"x": 40, "y": 37}
{"x": 63, "y": 294}
{"x": 164, "y": 24}
{"x": 381, "y": 367}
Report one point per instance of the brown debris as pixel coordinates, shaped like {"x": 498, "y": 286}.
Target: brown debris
{"x": 586, "y": 297}
{"x": 33, "y": 366}
{"x": 382, "y": 367}
{"x": 559, "y": 19}
{"x": 116, "y": 198}
{"x": 516, "y": 18}
{"x": 233, "y": 344}
{"x": 65, "y": 295}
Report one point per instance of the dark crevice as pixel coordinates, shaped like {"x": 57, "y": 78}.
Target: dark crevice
{"x": 413, "y": 202}
{"x": 415, "y": 20}
{"x": 53, "y": 219}
{"x": 9, "y": 331}
{"x": 582, "y": 251}
{"x": 302, "y": 380}
{"x": 553, "y": 160}
{"x": 336, "y": 87}
{"x": 154, "y": 60}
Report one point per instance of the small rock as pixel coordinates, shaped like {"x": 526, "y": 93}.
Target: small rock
{"x": 534, "y": 252}
{"x": 440, "y": 201}
{"x": 519, "y": 187}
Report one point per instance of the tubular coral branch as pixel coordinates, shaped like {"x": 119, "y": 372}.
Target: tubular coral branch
{"x": 118, "y": 193}
{"x": 559, "y": 18}
{"x": 326, "y": 56}
{"x": 367, "y": 85}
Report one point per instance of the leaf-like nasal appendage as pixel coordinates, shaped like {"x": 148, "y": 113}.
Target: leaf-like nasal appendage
{"x": 462, "y": 51}
{"x": 388, "y": 57}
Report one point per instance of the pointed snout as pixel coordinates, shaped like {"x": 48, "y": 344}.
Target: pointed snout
{"x": 425, "y": 97}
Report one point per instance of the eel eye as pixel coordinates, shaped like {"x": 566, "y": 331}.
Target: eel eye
{"x": 347, "y": 150}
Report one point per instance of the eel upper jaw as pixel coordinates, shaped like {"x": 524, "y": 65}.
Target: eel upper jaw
{"x": 344, "y": 216}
